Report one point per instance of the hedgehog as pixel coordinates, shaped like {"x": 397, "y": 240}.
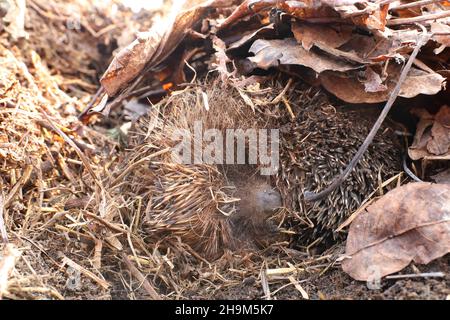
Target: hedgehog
{"x": 213, "y": 207}
{"x": 316, "y": 148}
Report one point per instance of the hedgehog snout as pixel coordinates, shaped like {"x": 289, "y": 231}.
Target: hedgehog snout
{"x": 268, "y": 200}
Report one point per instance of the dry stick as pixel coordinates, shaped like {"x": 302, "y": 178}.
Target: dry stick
{"x": 104, "y": 222}
{"x": 409, "y": 172}
{"x": 419, "y": 275}
{"x": 312, "y": 196}
{"x": 75, "y": 147}
{"x": 19, "y": 184}
{"x": 426, "y": 17}
{"x": 91, "y": 103}
{"x": 136, "y": 273}
{"x": 279, "y": 97}
{"x": 415, "y": 4}
{"x": 383, "y": 2}
{"x": 2, "y": 222}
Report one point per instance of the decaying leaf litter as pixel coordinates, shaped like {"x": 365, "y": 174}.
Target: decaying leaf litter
{"x": 63, "y": 181}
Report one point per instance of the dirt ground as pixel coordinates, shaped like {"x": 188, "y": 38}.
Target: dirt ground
{"x": 336, "y": 285}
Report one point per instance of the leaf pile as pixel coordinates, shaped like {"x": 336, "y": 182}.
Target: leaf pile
{"x": 354, "y": 48}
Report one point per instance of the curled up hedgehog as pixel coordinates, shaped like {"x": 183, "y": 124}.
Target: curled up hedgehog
{"x": 211, "y": 202}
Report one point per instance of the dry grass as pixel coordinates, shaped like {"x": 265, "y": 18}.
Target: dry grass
{"x": 46, "y": 159}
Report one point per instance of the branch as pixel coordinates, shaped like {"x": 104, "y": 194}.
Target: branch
{"x": 311, "y": 196}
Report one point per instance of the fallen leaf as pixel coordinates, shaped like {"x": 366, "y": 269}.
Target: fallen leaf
{"x": 373, "y": 82}
{"x": 350, "y": 89}
{"x": 152, "y": 47}
{"x": 442, "y": 177}
{"x": 440, "y": 142}
{"x": 432, "y": 138}
{"x": 272, "y": 53}
{"x": 341, "y": 42}
{"x": 370, "y": 15}
{"x": 409, "y": 224}
{"x": 246, "y": 8}
{"x": 221, "y": 59}
{"x": 322, "y": 36}
{"x": 381, "y": 47}
{"x": 266, "y": 32}
{"x": 441, "y": 35}
{"x": 367, "y": 14}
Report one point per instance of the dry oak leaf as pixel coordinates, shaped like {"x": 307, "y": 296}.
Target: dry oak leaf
{"x": 409, "y": 223}
{"x": 432, "y": 139}
{"x": 340, "y": 41}
{"x": 350, "y": 89}
{"x": 151, "y": 48}
{"x": 320, "y": 35}
{"x": 272, "y": 53}
{"x": 442, "y": 177}
{"x": 441, "y": 35}
{"x": 373, "y": 81}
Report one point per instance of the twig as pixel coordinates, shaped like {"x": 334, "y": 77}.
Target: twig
{"x": 299, "y": 287}
{"x": 312, "y": 196}
{"x": 2, "y": 222}
{"x": 19, "y": 184}
{"x": 104, "y": 222}
{"x": 409, "y": 172}
{"x": 383, "y": 2}
{"x": 426, "y": 17}
{"x": 415, "y": 4}
{"x": 138, "y": 275}
{"x": 279, "y": 97}
{"x": 91, "y": 103}
{"x": 101, "y": 282}
{"x": 83, "y": 146}
{"x": 74, "y": 146}
{"x": 419, "y": 275}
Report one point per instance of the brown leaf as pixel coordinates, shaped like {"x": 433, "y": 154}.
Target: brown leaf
{"x": 339, "y": 41}
{"x": 322, "y": 36}
{"x": 443, "y": 116}
{"x": 350, "y": 89}
{"x": 432, "y": 139}
{"x": 319, "y": 11}
{"x": 410, "y": 223}
{"x": 376, "y": 48}
{"x": 272, "y": 53}
{"x": 246, "y": 8}
{"x": 418, "y": 149}
{"x": 444, "y": 39}
{"x": 442, "y": 177}
{"x": 376, "y": 20}
{"x": 370, "y": 15}
{"x": 221, "y": 58}
{"x": 266, "y": 32}
{"x": 152, "y": 47}
{"x": 440, "y": 132}
{"x": 373, "y": 82}
{"x": 440, "y": 142}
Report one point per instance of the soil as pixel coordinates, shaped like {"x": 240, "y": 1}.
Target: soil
{"x": 336, "y": 285}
